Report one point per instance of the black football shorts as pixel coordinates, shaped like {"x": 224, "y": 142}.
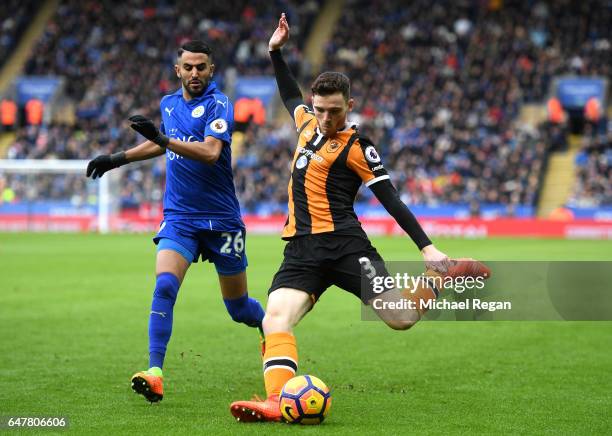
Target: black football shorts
{"x": 315, "y": 262}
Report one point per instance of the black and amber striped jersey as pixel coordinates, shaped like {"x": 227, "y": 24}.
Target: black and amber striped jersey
{"x": 326, "y": 174}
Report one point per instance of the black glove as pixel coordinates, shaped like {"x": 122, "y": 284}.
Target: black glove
{"x": 101, "y": 164}
{"x": 146, "y": 128}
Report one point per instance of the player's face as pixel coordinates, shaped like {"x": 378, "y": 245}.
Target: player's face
{"x": 330, "y": 111}
{"x": 195, "y": 71}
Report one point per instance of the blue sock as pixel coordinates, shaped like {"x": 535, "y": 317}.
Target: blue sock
{"x": 245, "y": 309}
{"x": 160, "y": 320}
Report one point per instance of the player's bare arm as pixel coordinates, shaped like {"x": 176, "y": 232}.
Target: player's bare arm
{"x": 287, "y": 85}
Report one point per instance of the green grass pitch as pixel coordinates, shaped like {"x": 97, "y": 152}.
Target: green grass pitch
{"x": 73, "y": 326}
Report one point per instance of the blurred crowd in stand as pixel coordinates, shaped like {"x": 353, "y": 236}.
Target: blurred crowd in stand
{"x": 439, "y": 87}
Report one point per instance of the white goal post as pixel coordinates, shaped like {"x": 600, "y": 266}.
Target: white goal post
{"x": 39, "y": 167}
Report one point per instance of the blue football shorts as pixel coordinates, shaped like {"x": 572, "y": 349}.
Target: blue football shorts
{"x": 194, "y": 239}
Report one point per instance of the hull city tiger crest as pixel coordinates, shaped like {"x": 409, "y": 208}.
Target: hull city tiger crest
{"x": 332, "y": 146}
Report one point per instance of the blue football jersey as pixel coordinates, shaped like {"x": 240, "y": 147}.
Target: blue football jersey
{"x": 195, "y": 190}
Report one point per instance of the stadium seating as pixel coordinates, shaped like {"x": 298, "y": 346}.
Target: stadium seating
{"x": 442, "y": 104}
{"x": 594, "y": 176}
{"x": 438, "y": 86}
{"x": 121, "y": 64}
{"x": 15, "y": 16}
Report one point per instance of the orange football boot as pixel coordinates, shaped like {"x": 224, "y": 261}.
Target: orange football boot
{"x": 257, "y": 410}
{"x": 149, "y": 384}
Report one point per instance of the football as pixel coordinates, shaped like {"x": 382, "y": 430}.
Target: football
{"x": 305, "y": 399}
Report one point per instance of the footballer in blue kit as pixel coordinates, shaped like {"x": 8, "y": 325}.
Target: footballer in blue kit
{"x": 201, "y": 212}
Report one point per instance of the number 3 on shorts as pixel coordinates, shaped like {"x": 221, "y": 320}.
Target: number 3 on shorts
{"x": 370, "y": 271}
{"x": 234, "y": 241}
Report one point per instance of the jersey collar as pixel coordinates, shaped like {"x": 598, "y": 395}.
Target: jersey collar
{"x": 210, "y": 89}
{"x": 347, "y": 129}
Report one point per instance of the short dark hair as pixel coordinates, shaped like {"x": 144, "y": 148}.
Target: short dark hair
{"x": 195, "y": 46}
{"x": 331, "y": 82}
